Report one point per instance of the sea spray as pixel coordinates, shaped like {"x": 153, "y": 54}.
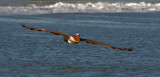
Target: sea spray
{"x": 98, "y": 7}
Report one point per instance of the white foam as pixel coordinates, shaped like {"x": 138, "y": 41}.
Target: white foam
{"x": 99, "y": 7}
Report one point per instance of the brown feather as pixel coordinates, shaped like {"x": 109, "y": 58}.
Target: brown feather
{"x": 53, "y": 32}
{"x": 94, "y": 42}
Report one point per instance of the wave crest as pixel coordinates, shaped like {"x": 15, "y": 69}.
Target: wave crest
{"x": 99, "y": 7}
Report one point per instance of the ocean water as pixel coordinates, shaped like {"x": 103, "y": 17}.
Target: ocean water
{"x": 37, "y": 54}
{"x": 125, "y": 24}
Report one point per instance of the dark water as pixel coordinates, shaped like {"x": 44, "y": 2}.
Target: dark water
{"x": 38, "y": 54}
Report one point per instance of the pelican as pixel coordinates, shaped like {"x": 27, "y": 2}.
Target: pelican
{"x": 71, "y": 39}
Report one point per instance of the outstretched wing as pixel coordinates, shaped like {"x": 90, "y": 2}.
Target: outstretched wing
{"x": 94, "y": 42}
{"x": 43, "y": 30}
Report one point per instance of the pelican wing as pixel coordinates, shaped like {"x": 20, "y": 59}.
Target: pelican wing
{"x": 94, "y": 42}
{"x": 43, "y": 30}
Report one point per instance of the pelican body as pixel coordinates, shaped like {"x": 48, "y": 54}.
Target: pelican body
{"x": 72, "y": 39}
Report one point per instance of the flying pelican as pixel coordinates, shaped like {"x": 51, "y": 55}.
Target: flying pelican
{"x": 71, "y": 39}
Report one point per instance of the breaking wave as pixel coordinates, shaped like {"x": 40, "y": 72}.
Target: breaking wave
{"x": 99, "y": 7}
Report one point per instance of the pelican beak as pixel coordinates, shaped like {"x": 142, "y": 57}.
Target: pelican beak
{"x": 79, "y": 42}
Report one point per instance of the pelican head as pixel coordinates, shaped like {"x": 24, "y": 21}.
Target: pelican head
{"x": 78, "y": 38}
{"x": 77, "y": 34}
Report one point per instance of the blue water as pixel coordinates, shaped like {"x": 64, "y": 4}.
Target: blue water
{"x": 38, "y": 54}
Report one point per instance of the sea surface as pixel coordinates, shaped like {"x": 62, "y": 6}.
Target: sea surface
{"x": 26, "y": 53}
